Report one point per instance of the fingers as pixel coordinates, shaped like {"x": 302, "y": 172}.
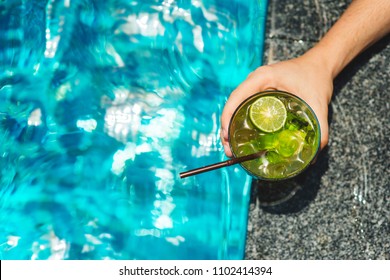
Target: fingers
{"x": 255, "y": 82}
{"x": 324, "y": 133}
{"x": 225, "y": 143}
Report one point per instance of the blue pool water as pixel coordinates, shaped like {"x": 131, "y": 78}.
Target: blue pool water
{"x": 102, "y": 105}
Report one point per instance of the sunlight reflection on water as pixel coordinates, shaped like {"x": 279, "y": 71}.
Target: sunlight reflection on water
{"x": 102, "y": 105}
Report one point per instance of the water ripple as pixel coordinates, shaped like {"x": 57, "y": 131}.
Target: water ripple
{"x": 102, "y": 103}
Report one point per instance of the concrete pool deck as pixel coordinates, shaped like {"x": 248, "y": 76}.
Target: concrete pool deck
{"x": 342, "y": 210}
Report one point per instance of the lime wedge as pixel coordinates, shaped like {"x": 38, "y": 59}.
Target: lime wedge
{"x": 268, "y": 114}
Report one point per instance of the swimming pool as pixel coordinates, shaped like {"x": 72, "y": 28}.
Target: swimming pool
{"x": 102, "y": 104}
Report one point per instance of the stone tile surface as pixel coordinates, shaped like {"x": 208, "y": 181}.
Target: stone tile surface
{"x": 341, "y": 209}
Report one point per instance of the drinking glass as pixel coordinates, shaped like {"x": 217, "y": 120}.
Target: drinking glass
{"x": 289, "y": 149}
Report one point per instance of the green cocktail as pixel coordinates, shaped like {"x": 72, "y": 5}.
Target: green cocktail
{"x": 283, "y": 125}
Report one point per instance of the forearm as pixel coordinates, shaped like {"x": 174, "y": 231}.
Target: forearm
{"x": 361, "y": 25}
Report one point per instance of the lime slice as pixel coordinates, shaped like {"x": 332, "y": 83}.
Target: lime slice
{"x": 268, "y": 114}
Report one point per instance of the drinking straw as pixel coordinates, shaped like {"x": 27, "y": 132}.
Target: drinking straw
{"x": 221, "y": 164}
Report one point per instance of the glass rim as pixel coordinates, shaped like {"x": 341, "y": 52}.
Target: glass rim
{"x": 269, "y": 92}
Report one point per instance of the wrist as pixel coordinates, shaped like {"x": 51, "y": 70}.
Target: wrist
{"x": 331, "y": 62}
